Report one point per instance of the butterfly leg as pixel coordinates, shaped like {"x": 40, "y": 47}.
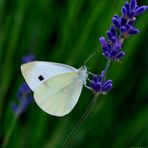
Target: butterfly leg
{"x": 87, "y": 87}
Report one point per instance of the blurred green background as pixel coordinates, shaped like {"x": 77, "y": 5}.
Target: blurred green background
{"x": 67, "y": 32}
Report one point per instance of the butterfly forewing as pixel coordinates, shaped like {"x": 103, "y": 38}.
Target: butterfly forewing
{"x": 35, "y": 73}
{"x": 58, "y": 95}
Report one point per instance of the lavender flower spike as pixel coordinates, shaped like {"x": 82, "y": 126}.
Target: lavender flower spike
{"x": 24, "y": 93}
{"x": 122, "y": 27}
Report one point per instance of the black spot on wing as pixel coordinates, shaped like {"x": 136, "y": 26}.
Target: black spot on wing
{"x": 41, "y": 78}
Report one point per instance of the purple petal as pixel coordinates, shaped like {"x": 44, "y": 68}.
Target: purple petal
{"x": 113, "y": 53}
{"x": 123, "y": 21}
{"x": 120, "y": 55}
{"x": 95, "y": 78}
{"x": 128, "y": 27}
{"x": 123, "y": 29}
{"x": 124, "y": 11}
{"x": 109, "y": 46}
{"x": 97, "y": 87}
{"x": 116, "y": 22}
{"x": 127, "y": 7}
{"x": 114, "y": 39}
{"x": 107, "y": 86}
{"x": 116, "y": 16}
{"x": 141, "y": 9}
{"x": 133, "y": 4}
{"x": 117, "y": 46}
{"x": 133, "y": 31}
{"x": 105, "y": 49}
{"x": 131, "y": 22}
{"x": 113, "y": 31}
{"x": 106, "y": 54}
{"x": 103, "y": 41}
{"x": 109, "y": 35}
{"x": 132, "y": 14}
{"x": 107, "y": 82}
{"x": 101, "y": 76}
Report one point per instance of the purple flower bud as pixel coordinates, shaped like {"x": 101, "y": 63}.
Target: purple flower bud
{"x": 109, "y": 46}
{"x": 127, "y": 7}
{"x": 103, "y": 41}
{"x": 97, "y": 87}
{"x": 124, "y": 11}
{"x": 133, "y": 4}
{"x": 100, "y": 86}
{"x": 113, "y": 31}
{"x": 120, "y": 55}
{"x": 106, "y": 54}
{"x": 101, "y": 76}
{"x": 105, "y": 49}
{"x": 133, "y": 31}
{"x": 107, "y": 86}
{"x": 128, "y": 27}
{"x": 95, "y": 78}
{"x": 116, "y": 16}
{"x": 117, "y": 46}
{"x": 113, "y": 53}
{"x": 123, "y": 29}
{"x": 131, "y": 22}
{"x": 109, "y": 35}
{"x": 141, "y": 9}
{"x": 132, "y": 14}
{"x": 116, "y": 22}
{"x": 123, "y": 21}
{"x": 114, "y": 39}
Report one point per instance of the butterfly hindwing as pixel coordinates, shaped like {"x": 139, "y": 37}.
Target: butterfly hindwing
{"x": 58, "y": 95}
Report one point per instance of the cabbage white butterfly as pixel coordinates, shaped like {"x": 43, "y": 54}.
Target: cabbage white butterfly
{"x": 56, "y": 87}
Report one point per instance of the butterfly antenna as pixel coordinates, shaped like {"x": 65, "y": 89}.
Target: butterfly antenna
{"x": 79, "y": 123}
{"x": 89, "y": 58}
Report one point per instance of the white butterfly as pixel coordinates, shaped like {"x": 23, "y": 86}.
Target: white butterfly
{"x": 56, "y": 87}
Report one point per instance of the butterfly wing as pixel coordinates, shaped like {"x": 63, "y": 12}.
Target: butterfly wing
{"x": 37, "y": 72}
{"x": 58, "y": 95}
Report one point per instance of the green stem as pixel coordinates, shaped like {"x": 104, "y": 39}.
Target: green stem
{"x": 106, "y": 69}
{"x": 9, "y": 131}
{"x": 83, "y": 117}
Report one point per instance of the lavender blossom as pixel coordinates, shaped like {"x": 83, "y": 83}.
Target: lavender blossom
{"x": 25, "y": 97}
{"x": 99, "y": 85}
{"x": 24, "y": 93}
{"x": 124, "y": 26}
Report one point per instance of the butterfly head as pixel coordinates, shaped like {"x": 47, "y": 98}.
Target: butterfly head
{"x": 83, "y": 74}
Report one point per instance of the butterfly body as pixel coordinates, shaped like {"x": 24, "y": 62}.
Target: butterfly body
{"x": 56, "y": 87}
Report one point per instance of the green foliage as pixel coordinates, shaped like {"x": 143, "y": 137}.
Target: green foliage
{"x": 67, "y": 32}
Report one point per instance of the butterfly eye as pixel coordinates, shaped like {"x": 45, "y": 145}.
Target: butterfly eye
{"x": 41, "y": 78}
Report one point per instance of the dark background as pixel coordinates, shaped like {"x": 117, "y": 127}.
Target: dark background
{"x": 67, "y": 32}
